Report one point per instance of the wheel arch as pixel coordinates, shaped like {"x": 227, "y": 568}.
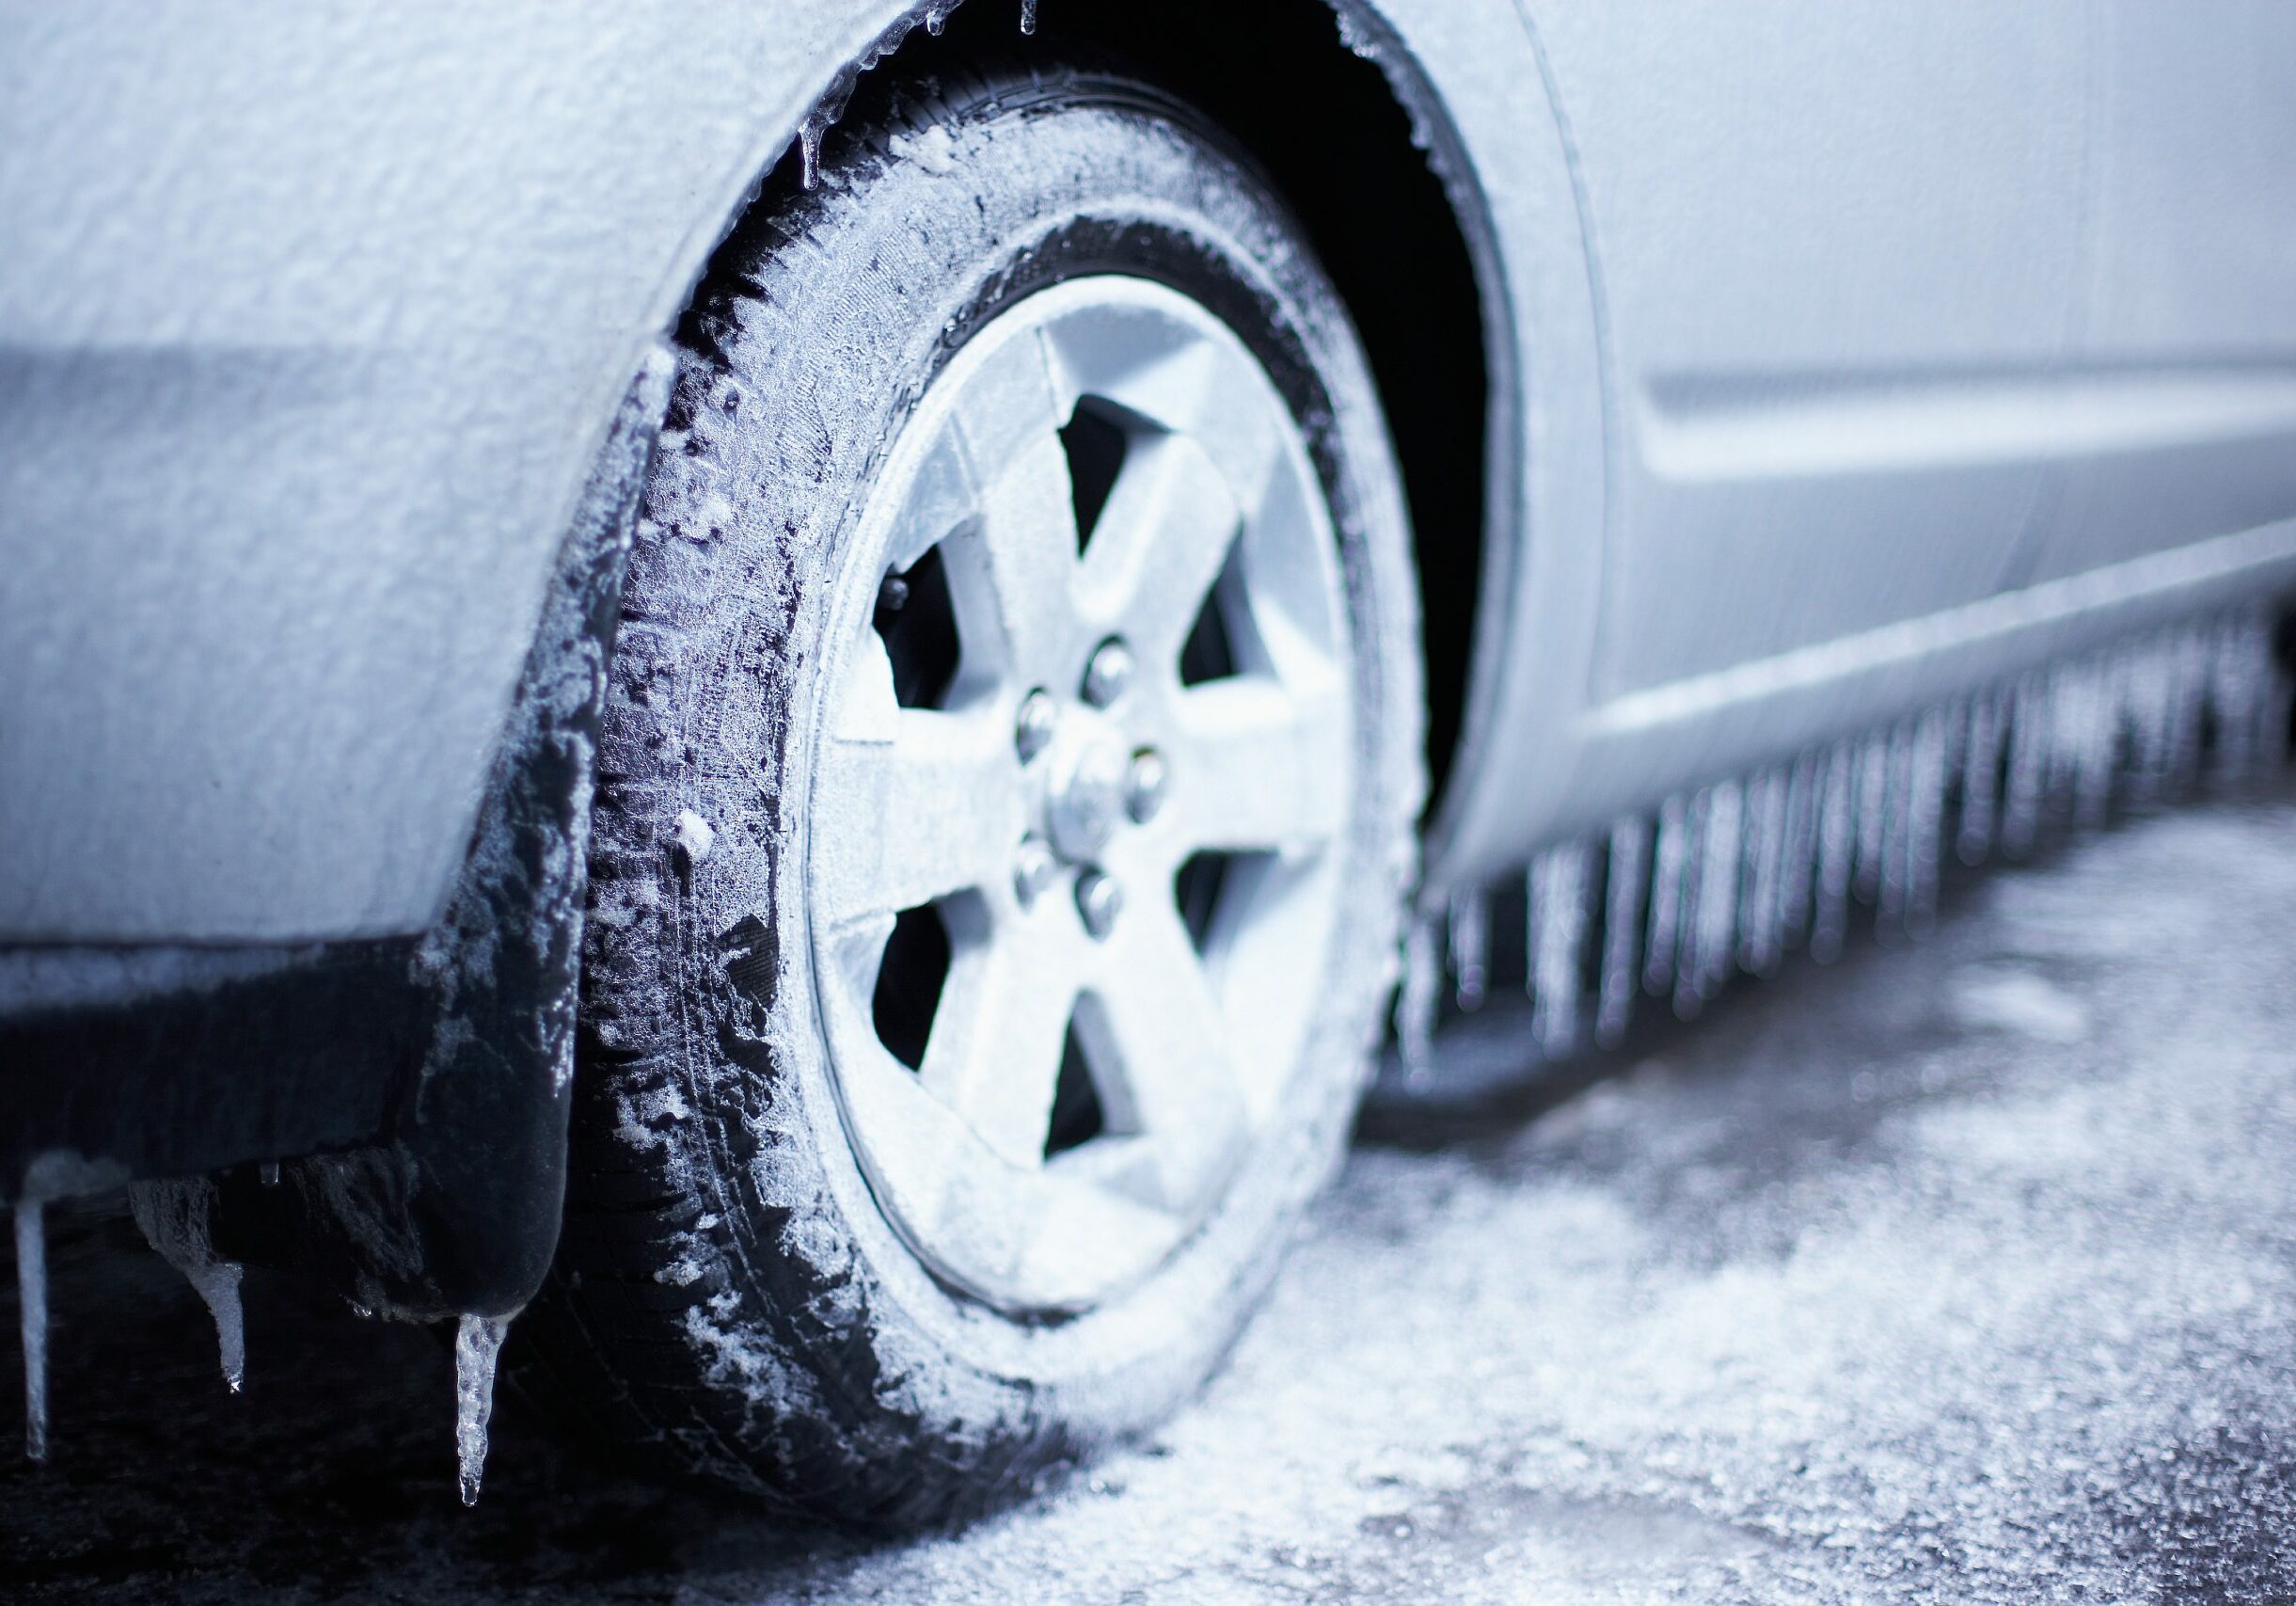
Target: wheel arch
{"x": 1376, "y": 163}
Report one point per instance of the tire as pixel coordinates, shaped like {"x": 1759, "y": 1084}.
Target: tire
{"x": 739, "y": 1294}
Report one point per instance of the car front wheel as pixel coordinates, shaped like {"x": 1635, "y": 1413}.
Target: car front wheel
{"x": 1006, "y": 812}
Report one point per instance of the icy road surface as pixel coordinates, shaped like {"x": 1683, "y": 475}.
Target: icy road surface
{"x": 1962, "y": 1273}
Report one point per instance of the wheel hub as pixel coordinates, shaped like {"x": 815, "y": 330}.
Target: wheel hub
{"x": 1089, "y": 763}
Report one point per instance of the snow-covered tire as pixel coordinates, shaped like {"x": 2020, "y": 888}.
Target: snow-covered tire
{"x": 731, "y": 1296}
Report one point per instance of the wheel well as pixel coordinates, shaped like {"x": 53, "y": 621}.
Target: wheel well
{"x": 1326, "y": 124}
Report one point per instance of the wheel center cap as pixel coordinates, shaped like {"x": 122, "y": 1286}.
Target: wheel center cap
{"x": 1085, "y": 798}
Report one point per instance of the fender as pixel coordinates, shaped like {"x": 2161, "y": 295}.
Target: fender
{"x": 291, "y": 446}
{"x": 433, "y": 1076}
{"x": 456, "y": 1213}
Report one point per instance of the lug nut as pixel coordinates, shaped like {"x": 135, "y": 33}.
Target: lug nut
{"x": 1099, "y": 900}
{"x": 1033, "y": 870}
{"x": 1109, "y": 673}
{"x": 1033, "y": 728}
{"x": 1146, "y": 785}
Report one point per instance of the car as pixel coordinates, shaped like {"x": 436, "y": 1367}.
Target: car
{"x": 780, "y": 689}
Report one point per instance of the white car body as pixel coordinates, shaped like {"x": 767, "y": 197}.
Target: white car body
{"x": 1842, "y": 357}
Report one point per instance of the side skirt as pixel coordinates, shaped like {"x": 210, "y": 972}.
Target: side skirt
{"x": 1726, "y": 878}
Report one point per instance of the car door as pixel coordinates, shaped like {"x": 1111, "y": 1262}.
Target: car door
{"x": 1835, "y": 243}
{"x": 2186, "y": 387}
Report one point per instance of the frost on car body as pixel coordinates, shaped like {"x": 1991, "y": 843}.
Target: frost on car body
{"x": 1761, "y": 558}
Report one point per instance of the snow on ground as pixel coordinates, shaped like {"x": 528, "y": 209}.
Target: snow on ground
{"x": 1961, "y": 1272}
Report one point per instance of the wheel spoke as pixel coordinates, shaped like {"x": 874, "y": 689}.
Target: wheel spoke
{"x": 1256, "y": 766}
{"x": 934, "y": 810}
{"x": 1012, "y": 569}
{"x": 1155, "y": 1035}
{"x": 995, "y": 1056}
{"x": 1170, "y": 522}
{"x": 1184, "y": 385}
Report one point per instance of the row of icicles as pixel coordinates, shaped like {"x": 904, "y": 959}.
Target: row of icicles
{"x": 1731, "y": 877}
{"x": 174, "y": 1216}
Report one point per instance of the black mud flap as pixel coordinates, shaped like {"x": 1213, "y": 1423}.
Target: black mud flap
{"x": 456, "y": 1211}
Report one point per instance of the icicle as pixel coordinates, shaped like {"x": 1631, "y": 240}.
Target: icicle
{"x": 1666, "y": 895}
{"x": 809, "y": 152}
{"x": 1621, "y": 923}
{"x": 1530, "y": 930}
{"x": 2182, "y": 670}
{"x": 175, "y": 1219}
{"x": 1028, "y": 16}
{"x": 2240, "y": 666}
{"x": 218, "y": 1287}
{"x": 1830, "y": 921}
{"x": 1873, "y": 814}
{"x": 2273, "y": 699}
{"x": 1685, "y": 920}
{"x": 1723, "y": 884}
{"x": 2021, "y": 814}
{"x": 2266, "y": 716}
{"x": 1896, "y": 886}
{"x": 1470, "y": 948}
{"x": 2179, "y": 712}
{"x": 1927, "y": 805}
{"x": 1557, "y": 923}
{"x": 2134, "y": 721}
{"x": 2072, "y": 702}
{"x": 1980, "y": 778}
{"x": 1415, "y": 1004}
{"x": 1762, "y": 888}
{"x": 2192, "y": 706}
{"x": 1800, "y": 867}
{"x": 2058, "y": 731}
{"x": 2144, "y": 697}
{"x": 1719, "y": 857}
{"x": 2095, "y": 715}
{"x": 2131, "y": 698}
{"x": 32, "y": 1309}
{"x": 2220, "y": 688}
{"x": 1685, "y": 965}
{"x": 478, "y": 1343}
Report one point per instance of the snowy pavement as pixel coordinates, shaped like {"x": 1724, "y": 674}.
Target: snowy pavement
{"x": 1964, "y": 1272}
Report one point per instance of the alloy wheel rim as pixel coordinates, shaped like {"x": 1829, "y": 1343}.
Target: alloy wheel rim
{"x": 1072, "y": 867}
